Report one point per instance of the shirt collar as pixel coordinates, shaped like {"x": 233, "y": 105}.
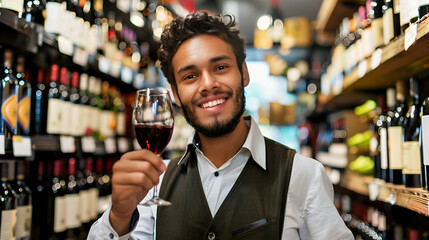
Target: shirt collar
{"x": 255, "y": 142}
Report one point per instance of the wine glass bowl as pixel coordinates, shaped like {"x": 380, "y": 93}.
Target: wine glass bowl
{"x": 153, "y": 122}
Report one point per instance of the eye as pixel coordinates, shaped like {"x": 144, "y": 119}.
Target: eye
{"x": 190, "y": 76}
{"x": 221, "y": 68}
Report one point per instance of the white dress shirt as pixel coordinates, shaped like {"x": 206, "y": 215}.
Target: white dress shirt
{"x": 310, "y": 212}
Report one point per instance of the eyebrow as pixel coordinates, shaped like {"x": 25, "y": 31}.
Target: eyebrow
{"x": 213, "y": 60}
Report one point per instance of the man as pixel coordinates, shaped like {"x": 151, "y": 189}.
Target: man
{"x": 231, "y": 183}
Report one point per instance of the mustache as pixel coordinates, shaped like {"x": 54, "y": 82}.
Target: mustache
{"x": 216, "y": 92}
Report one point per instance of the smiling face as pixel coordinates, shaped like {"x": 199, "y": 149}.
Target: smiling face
{"x": 210, "y": 87}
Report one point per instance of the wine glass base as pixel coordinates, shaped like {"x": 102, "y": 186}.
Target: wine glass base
{"x": 156, "y": 201}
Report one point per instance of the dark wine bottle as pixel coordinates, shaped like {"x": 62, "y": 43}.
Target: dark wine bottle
{"x": 425, "y": 143}
{"x": 374, "y": 144}
{"x": 7, "y": 205}
{"x": 33, "y": 11}
{"x": 24, "y": 203}
{"x": 411, "y": 147}
{"x": 73, "y": 222}
{"x": 58, "y": 190}
{"x": 53, "y": 123}
{"x": 395, "y": 134}
{"x": 9, "y": 102}
{"x": 23, "y": 94}
{"x": 91, "y": 179}
{"x": 423, "y": 8}
{"x": 84, "y": 196}
{"x": 64, "y": 89}
{"x": 40, "y": 104}
{"x": 384, "y": 139}
{"x": 75, "y": 106}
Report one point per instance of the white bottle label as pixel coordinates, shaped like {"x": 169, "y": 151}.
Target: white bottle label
{"x": 54, "y": 116}
{"x": 411, "y": 157}
{"x": 106, "y": 123}
{"x": 388, "y": 32}
{"x": 15, "y": 5}
{"x": 60, "y": 214}
{"x": 425, "y": 139}
{"x": 8, "y": 223}
{"x": 54, "y": 11}
{"x": 377, "y": 29}
{"x": 383, "y": 148}
{"x": 84, "y": 197}
{"x": 76, "y": 119}
{"x": 395, "y": 147}
{"x": 403, "y": 15}
{"x": 23, "y": 221}
{"x": 413, "y": 9}
{"x": 72, "y": 210}
{"x": 65, "y": 118}
{"x": 121, "y": 124}
{"x": 93, "y": 195}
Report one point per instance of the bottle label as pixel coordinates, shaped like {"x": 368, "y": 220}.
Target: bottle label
{"x": 72, "y": 211}
{"x": 425, "y": 139}
{"x": 60, "y": 214}
{"x": 24, "y": 114}
{"x": 76, "y": 119}
{"x": 93, "y": 195}
{"x": 396, "y": 6}
{"x": 403, "y": 16}
{"x": 8, "y": 223}
{"x": 107, "y": 123}
{"x": 413, "y": 9}
{"x": 368, "y": 41}
{"x": 84, "y": 197}
{"x": 423, "y": 2}
{"x": 53, "y": 19}
{"x": 377, "y": 29}
{"x": 411, "y": 157}
{"x": 95, "y": 119}
{"x": 54, "y": 116}
{"x": 23, "y": 221}
{"x": 121, "y": 124}
{"x": 85, "y": 121}
{"x": 15, "y": 5}
{"x": 8, "y": 110}
{"x": 383, "y": 148}
{"x": 395, "y": 147}
{"x": 388, "y": 32}
{"x": 66, "y": 118}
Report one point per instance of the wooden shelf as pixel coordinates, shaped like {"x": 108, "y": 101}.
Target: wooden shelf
{"x": 389, "y": 64}
{"x": 415, "y": 199}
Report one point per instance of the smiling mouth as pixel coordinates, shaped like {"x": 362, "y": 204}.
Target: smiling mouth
{"x": 213, "y": 103}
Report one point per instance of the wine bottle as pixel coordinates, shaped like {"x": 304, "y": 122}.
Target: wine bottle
{"x": 377, "y": 23}
{"x": 23, "y": 94}
{"x": 65, "y": 124}
{"x": 44, "y": 204}
{"x": 75, "y": 106}
{"x": 94, "y": 102}
{"x": 53, "y": 124}
{"x": 411, "y": 148}
{"x": 107, "y": 117}
{"x": 388, "y": 32}
{"x": 396, "y": 18}
{"x": 395, "y": 134}
{"x": 60, "y": 206}
{"x": 24, "y": 203}
{"x": 73, "y": 222}
{"x": 103, "y": 183}
{"x": 85, "y": 107}
{"x": 374, "y": 144}
{"x": 16, "y": 6}
{"x": 423, "y": 8}
{"x": 9, "y": 102}
{"x": 40, "y": 104}
{"x": 425, "y": 143}
{"x": 91, "y": 179}
{"x": 84, "y": 196}
{"x": 33, "y": 11}
{"x": 385, "y": 124}
{"x": 7, "y": 205}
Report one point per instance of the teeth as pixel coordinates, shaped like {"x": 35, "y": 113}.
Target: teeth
{"x": 213, "y": 103}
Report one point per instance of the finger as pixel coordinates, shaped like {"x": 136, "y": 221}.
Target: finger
{"x": 145, "y": 166}
{"x": 140, "y": 179}
{"x": 147, "y": 155}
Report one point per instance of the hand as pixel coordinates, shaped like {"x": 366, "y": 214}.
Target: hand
{"x": 133, "y": 176}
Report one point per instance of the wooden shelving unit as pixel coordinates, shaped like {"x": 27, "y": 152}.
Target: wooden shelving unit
{"x": 415, "y": 199}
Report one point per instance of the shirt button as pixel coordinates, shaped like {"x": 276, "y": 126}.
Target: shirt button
{"x": 216, "y": 174}
{"x": 211, "y": 236}
{"x": 111, "y": 236}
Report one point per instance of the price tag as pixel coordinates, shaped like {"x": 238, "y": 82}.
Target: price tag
{"x": 21, "y": 146}
{"x": 362, "y": 68}
{"x": 123, "y": 145}
{"x": 88, "y": 144}
{"x": 110, "y": 144}
{"x": 65, "y": 46}
{"x": 376, "y": 58}
{"x": 2, "y": 147}
{"x": 67, "y": 144}
{"x": 80, "y": 57}
{"x": 136, "y": 145}
{"x": 410, "y": 36}
{"x": 373, "y": 191}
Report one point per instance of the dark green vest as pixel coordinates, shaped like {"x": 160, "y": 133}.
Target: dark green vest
{"x": 253, "y": 209}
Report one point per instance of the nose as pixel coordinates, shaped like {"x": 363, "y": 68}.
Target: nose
{"x": 207, "y": 82}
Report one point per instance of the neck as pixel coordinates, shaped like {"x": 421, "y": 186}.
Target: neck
{"x": 220, "y": 149}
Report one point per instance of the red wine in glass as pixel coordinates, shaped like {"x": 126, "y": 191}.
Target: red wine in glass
{"x": 153, "y": 137}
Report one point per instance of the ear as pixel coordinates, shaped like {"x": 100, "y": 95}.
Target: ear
{"x": 176, "y": 96}
{"x": 246, "y": 77}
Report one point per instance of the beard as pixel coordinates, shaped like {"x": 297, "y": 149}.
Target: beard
{"x": 218, "y": 127}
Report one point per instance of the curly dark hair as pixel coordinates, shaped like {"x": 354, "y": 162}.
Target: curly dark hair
{"x": 194, "y": 24}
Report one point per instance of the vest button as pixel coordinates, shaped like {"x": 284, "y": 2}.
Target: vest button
{"x": 211, "y": 236}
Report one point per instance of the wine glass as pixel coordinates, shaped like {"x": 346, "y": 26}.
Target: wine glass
{"x": 153, "y": 121}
